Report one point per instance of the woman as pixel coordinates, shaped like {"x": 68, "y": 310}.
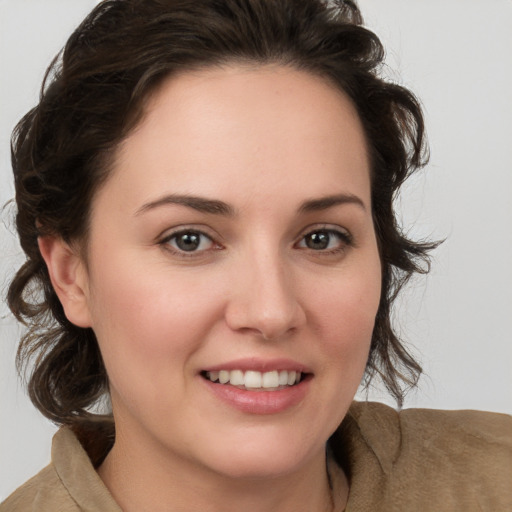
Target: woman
{"x": 205, "y": 198}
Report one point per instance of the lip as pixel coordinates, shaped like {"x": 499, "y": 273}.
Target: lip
{"x": 259, "y": 365}
{"x": 259, "y": 402}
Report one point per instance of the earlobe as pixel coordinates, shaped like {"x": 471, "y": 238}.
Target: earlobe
{"x": 68, "y": 277}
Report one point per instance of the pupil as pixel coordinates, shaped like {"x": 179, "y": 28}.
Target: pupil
{"x": 318, "y": 240}
{"x": 188, "y": 241}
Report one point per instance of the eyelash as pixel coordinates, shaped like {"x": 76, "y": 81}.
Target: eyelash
{"x": 345, "y": 240}
{"x": 166, "y": 242}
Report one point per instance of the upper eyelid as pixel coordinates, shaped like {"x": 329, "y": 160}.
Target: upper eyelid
{"x": 213, "y": 235}
{"x": 169, "y": 233}
{"x": 324, "y": 227}
{"x": 345, "y": 237}
{"x": 175, "y": 234}
{"x": 165, "y": 243}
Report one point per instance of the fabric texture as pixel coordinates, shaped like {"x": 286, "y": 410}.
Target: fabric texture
{"x": 414, "y": 460}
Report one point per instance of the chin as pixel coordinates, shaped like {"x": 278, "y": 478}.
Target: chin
{"x": 264, "y": 457}
{"x": 259, "y": 468}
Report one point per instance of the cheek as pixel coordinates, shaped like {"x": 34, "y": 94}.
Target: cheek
{"x": 347, "y": 317}
{"x": 149, "y": 321}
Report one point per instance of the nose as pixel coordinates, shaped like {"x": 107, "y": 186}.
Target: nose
{"x": 263, "y": 298}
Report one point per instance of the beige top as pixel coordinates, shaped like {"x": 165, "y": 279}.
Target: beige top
{"x": 416, "y": 460}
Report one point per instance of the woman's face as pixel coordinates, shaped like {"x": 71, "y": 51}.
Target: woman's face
{"x": 234, "y": 240}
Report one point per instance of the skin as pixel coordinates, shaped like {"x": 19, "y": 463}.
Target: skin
{"x": 264, "y": 141}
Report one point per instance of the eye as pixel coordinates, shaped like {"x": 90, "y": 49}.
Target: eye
{"x": 328, "y": 240}
{"x": 189, "y": 241}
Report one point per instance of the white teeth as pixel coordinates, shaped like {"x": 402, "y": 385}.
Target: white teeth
{"x": 237, "y": 378}
{"x": 224, "y": 376}
{"x": 256, "y": 380}
{"x": 252, "y": 379}
{"x": 270, "y": 379}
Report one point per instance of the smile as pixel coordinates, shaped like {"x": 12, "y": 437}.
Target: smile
{"x": 254, "y": 380}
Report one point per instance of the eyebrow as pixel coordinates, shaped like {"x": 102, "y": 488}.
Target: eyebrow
{"x": 216, "y": 207}
{"x": 201, "y": 204}
{"x": 323, "y": 203}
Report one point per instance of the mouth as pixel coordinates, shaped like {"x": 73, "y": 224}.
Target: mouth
{"x": 251, "y": 380}
{"x": 259, "y": 386}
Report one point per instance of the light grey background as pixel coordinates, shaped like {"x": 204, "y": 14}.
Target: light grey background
{"x": 455, "y": 55}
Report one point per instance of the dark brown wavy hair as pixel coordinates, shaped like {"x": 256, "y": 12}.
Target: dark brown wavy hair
{"x": 94, "y": 94}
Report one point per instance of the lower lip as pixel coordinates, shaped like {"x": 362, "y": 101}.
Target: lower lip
{"x": 259, "y": 402}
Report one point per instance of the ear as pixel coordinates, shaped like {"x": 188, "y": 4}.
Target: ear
{"x": 69, "y": 278}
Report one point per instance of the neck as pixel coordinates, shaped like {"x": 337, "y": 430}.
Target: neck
{"x": 139, "y": 482}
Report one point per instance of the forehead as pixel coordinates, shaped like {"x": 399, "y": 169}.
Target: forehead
{"x": 246, "y": 129}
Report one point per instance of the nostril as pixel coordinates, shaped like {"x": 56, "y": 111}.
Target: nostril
{"x": 265, "y": 305}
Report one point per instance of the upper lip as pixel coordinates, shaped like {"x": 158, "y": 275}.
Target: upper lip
{"x": 259, "y": 365}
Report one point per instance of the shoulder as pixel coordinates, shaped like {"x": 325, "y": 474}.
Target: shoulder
{"x": 446, "y": 457}
{"x": 430, "y": 426}
{"x": 44, "y": 492}
{"x": 69, "y": 484}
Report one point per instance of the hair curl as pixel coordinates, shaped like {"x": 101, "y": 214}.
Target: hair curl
{"x": 94, "y": 94}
